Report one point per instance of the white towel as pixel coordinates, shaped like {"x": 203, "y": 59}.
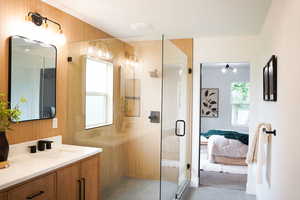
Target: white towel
{"x": 257, "y": 150}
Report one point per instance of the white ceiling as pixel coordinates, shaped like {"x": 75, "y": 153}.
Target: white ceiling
{"x": 174, "y": 18}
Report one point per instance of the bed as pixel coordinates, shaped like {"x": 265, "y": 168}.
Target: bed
{"x": 226, "y": 147}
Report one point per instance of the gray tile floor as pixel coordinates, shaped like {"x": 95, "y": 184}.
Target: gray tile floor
{"x": 212, "y": 193}
{"x": 219, "y": 186}
{"x": 139, "y": 189}
{"x": 214, "y": 186}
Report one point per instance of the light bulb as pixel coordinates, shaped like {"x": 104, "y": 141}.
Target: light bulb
{"x": 100, "y": 53}
{"x": 90, "y": 50}
{"x": 224, "y": 70}
{"x": 234, "y": 70}
{"x": 109, "y": 55}
{"x": 106, "y": 55}
{"x": 61, "y": 39}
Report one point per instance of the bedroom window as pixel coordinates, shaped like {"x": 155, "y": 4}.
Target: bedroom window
{"x": 240, "y": 103}
{"x": 99, "y": 93}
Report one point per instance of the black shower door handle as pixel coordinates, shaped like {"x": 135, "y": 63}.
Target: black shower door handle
{"x": 177, "y": 129}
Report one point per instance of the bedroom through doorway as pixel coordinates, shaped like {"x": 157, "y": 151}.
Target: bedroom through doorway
{"x": 224, "y": 132}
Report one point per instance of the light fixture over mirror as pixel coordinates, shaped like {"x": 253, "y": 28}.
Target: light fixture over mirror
{"x": 37, "y": 29}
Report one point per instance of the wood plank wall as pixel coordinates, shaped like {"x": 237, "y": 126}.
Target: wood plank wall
{"x": 12, "y": 11}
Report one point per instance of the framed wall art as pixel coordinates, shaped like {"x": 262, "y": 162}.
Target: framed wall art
{"x": 270, "y": 80}
{"x": 210, "y": 102}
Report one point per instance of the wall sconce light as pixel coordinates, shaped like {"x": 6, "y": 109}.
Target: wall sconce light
{"x": 41, "y": 21}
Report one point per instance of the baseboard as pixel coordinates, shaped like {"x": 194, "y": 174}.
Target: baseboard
{"x": 195, "y": 182}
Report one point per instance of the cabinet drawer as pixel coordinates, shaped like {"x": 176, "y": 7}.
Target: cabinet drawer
{"x": 3, "y": 196}
{"x": 39, "y": 189}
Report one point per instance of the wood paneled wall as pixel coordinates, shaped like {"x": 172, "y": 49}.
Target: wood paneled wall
{"x": 12, "y": 11}
{"x": 141, "y": 163}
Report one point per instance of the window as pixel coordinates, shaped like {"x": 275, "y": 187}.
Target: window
{"x": 240, "y": 103}
{"x": 99, "y": 93}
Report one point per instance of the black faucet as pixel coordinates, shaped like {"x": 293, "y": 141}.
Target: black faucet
{"x": 42, "y": 144}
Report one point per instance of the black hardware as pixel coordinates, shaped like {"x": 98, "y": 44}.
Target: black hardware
{"x": 38, "y": 19}
{"x": 48, "y": 98}
{"x": 41, "y": 145}
{"x": 176, "y": 128}
{"x": 83, "y": 180}
{"x": 188, "y": 166}
{"x": 44, "y": 144}
{"x": 32, "y": 149}
{"x": 270, "y": 132}
{"x": 154, "y": 117}
{"x": 69, "y": 59}
{"x": 80, "y": 189}
{"x": 35, "y": 195}
{"x": 48, "y": 144}
{"x": 270, "y": 80}
{"x": 190, "y": 70}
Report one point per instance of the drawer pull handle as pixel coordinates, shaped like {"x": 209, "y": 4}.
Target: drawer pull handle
{"x": 83, "y": 180}
{"x": 35, "y": 195}
{"x": 80, "y": 189}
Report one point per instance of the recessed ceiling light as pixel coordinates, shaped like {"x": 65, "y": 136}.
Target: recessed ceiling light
{"x": 141, "y": 27}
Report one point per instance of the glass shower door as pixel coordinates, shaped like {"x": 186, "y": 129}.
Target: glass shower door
{"x": 174, "y": 142}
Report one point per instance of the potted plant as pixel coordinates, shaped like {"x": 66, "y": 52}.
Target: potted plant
{"x": 7, "y": 116}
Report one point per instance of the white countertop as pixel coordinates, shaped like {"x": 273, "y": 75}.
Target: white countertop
{"x": 24, "y": 166}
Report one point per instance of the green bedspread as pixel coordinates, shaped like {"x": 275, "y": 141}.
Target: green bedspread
{"x": 242, "y": 137}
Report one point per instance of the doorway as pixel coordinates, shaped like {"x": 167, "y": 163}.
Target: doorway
{"x": 224, "y": 133}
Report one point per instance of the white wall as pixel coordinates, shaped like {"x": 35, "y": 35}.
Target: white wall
{"x": 220, "y": 49}
{"x": 214, "y": 78}
{"x": 281, "y": 36}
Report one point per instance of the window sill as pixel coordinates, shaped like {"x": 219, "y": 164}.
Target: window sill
{"x": 98, "y": 126}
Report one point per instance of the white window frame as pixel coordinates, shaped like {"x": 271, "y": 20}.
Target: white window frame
{"x": 232, "y": 121}
{"x": 108, "y": 95}
{"x": 233, "y": 104}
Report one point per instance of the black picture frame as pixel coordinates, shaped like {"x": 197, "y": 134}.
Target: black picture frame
{"x": 266, "y": 83}
{"x": 270, "y": 80}
{"x": 53, "y": 76}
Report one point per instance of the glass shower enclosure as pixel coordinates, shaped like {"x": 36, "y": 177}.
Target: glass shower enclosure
{"x": 141, "y": 120}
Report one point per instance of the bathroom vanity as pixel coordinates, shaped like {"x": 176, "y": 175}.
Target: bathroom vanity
{"x": 66, "y": 172}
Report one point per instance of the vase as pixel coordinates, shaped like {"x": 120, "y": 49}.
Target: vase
{"x": 4, "y": 147}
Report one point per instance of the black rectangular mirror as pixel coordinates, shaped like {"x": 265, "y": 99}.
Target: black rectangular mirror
{"x": 32, "y": 75}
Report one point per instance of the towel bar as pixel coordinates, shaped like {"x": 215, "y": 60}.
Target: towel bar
{"x": 270, "y": 132}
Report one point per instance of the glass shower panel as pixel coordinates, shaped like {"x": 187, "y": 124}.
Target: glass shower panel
{"x": 174, "y": 144}
{"x": 130, "y": 161}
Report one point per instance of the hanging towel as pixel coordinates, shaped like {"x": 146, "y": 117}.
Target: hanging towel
{"x": 253, "y": 147}
{"x": 258, "y": 150}
{"x": 262, "y": 154}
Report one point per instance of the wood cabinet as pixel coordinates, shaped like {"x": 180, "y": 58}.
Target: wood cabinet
{"x": 68, "y": 180}
{"x": 3, "y": 196}
{"x": 81, "y": 180}
{"x": 90, "y": 178}
{"x": 39, "y": 189}
{"x": 78, "y": 181}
